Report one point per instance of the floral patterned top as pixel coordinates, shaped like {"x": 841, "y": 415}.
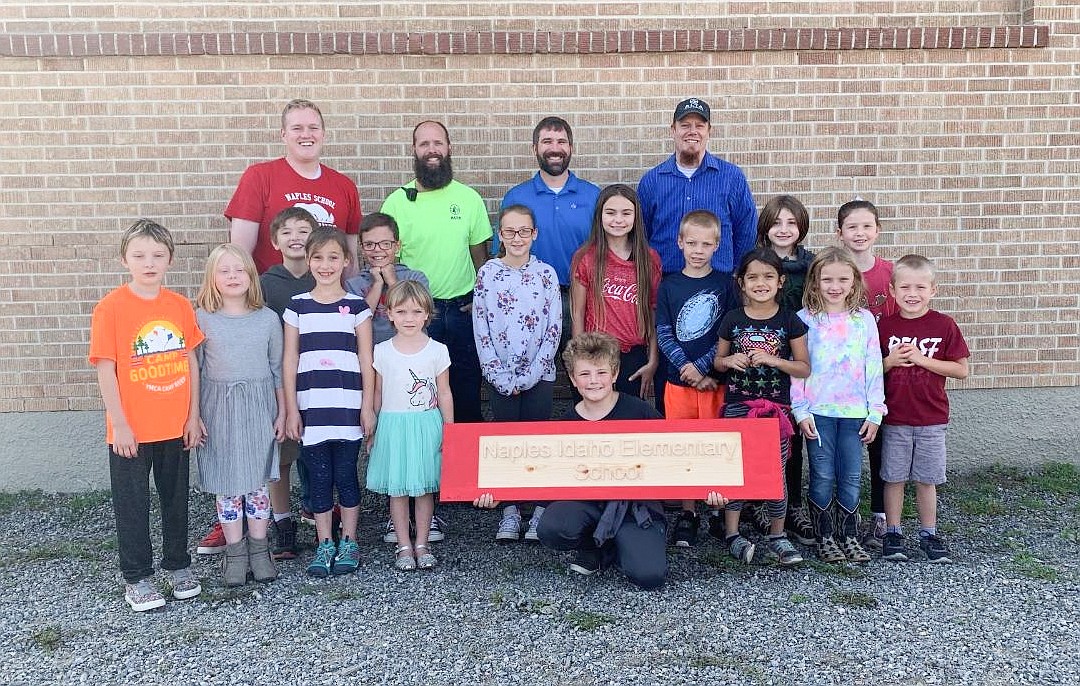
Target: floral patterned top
{"x": 517, "y": 322}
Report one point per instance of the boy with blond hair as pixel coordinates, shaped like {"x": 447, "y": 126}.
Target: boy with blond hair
{"x": 922, "y": 348}
{"x": 142, "y": 340}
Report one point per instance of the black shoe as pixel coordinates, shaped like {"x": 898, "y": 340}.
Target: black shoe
{"x": 285, "y": 543}
{"x": 586, "y": 562}
{"x": 893, "y": 548}
{"x": 716, "y": 526}
{"x": 686, "y": 530}
{"x": 935, "y": 549}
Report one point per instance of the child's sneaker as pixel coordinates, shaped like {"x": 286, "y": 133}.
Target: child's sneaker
{"x": 324, "y": 558}
{"x": 347, "y": 558}
{"x": 285, "y": 543}
{"x": 893, "y": 547}
{"x": 829, "y": 551}
{"x": 781, "y": 550}
{"x": 741, "y": 549}
{"x": 510, "y": 526}
{"x": 716, "y": 526}
{"x": 533, "y": 532}
{"x": 184, "y": 584}
{"x": 586, "y": 562}
{"x": 686, "y": 530}
{"x": 760, "y": 519}
{"x": 935, "y": 549}
{"x": 213, "y": 543}
{"x": 390, "y": 536}
{"x": 435, "y": 533}
{"x": 853, "y": 550}
{"x": 798, "y": 525}
{"x": 142, "y": 596}
{"x": 875, "y": 537}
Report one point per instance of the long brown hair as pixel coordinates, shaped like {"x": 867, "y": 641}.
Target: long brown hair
{"x": 639, "y": 255}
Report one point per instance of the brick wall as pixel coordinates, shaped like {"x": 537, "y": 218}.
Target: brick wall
{"x": 960, "y": 120}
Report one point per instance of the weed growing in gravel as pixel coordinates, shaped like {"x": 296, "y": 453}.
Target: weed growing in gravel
{"x": 190, "y": 635}
{"x": 719, "y": 559}
{"x": 1070, "y": 534}
{"x": 799, "y": 598}
{"x": 1028, "y": 565}
{"x": 855, "y": 599}
{"x": 1057, "y": 478}
{"x": 48, "y": 638}
{"x": 23, "y": 501}
{"x": 840, "y": 569}
{"x": 60, "y": 550}
{"x": 344, "y": 594}
{"x": 732, "y": 662}
{"x": 79, "y": 504}
{"x": 584, "y": 620}
{"x": 498, "y": 597}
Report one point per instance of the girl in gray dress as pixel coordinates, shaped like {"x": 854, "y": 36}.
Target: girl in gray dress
{"x": 243, "y": 408}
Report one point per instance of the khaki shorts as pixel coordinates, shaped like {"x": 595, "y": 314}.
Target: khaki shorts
{"x": 913, "y": 453}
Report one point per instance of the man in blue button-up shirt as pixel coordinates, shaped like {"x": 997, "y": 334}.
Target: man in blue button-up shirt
{"x": 693, "y": 179}
{"x": 561, "y": 202}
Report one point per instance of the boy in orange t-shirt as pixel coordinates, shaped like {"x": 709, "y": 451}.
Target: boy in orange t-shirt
{"x": 142, "y": 337}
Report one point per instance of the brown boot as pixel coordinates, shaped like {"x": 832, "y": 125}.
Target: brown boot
{"x": 234, "y": 566}
{"x": 262, "y": 566}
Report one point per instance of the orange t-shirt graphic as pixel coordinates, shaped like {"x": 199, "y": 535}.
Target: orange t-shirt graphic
{"x": 151, "y": 342}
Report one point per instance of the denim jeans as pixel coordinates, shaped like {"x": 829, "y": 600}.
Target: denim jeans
{"x": 836, "y": 462}
{"x": 453, "y": 328}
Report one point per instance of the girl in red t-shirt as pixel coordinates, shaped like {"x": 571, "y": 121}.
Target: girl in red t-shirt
{"x": 615, "y": 275}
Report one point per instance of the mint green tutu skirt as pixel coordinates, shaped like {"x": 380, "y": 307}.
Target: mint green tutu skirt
{"x": 407, "y": 456}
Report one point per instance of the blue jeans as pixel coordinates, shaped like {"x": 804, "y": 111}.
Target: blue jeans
{"x": 453, "y": 328}
{"x": 836, "y": 462}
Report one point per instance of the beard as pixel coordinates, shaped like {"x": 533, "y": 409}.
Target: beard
{"x": 433, "y": 178}
{"x": 553, "y": 166}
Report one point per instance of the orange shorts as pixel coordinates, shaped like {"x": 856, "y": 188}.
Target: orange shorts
{"x": 686, "y": 402}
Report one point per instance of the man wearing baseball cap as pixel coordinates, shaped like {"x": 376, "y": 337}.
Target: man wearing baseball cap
{"x": 694, "y": 179}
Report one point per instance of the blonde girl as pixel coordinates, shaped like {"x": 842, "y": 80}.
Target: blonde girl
{"x": 613, "y": 289}
{"x": 413, "y": 401}
{"x": 839, "y": 407}
{"x": 242, "y": 406}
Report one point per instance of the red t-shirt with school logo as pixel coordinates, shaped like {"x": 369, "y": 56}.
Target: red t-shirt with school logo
{"x": 267, "y": 188}
{"x": 916, "y": 396}
{"x": 620, "y": 296}
{"x": 878, "y": 298}
{"x": 151, "y": 342}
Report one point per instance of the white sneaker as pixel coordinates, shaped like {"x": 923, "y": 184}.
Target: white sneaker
{"x": 143, "y": 596}
{"x": 510, "y": 526}
{"x": 435, "y": 533}
{"x": 390, "y": 536}
{"x": 534, "y": 522}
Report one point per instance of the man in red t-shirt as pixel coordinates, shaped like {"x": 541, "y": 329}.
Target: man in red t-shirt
{"x": 296, "y": 180}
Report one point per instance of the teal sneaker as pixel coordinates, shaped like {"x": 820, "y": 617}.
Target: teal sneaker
{"x": 348, "y": 557}
{"x": 324, "y": 556}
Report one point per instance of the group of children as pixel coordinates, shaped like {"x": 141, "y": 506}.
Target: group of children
{"x": 299, "y": 364}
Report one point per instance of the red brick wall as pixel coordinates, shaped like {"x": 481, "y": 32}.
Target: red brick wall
{"x": 959, "y": 119}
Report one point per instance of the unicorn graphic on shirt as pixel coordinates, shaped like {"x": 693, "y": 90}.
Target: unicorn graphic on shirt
{"x": 423, "y": 393}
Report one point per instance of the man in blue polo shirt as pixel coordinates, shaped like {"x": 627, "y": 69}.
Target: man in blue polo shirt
{"x": 694, "y": 179}
{"x": 561, "y": 202}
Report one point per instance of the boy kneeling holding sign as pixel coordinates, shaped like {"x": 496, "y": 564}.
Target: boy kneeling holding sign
{"x": 630, "y": 534}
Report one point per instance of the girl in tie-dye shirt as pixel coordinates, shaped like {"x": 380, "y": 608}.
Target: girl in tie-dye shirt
{"x": 840, "y": 405}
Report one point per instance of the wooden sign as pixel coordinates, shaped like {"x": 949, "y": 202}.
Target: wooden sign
{"x": 664, "y": 459}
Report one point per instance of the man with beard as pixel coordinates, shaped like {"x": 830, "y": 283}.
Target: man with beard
{"x": 562, "y": 203}
{"x": 296, "y": 180}
{"x": 694, "y": 179}
{"x": 444, "y": 228}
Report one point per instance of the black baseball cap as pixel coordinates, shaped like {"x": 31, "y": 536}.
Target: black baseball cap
{"x": 692, "y": 106}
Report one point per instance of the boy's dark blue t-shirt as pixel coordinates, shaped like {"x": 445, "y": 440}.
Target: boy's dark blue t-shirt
{"x": 626, "y": 407}
{"x": 688, "y": 315}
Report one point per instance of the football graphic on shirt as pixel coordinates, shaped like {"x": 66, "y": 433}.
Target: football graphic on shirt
{"x": 697, "y": 316}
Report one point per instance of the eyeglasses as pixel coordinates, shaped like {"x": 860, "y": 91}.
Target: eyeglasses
{"x": 381, "y": 245}
{"x": 521, "y": 233}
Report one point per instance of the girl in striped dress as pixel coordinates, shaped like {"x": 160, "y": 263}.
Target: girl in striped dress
{"x": 328, "y": 381}
{"x": 242, "y": 406}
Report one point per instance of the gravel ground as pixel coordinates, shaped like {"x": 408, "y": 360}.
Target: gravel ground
{"x": 1008, "y": 612}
